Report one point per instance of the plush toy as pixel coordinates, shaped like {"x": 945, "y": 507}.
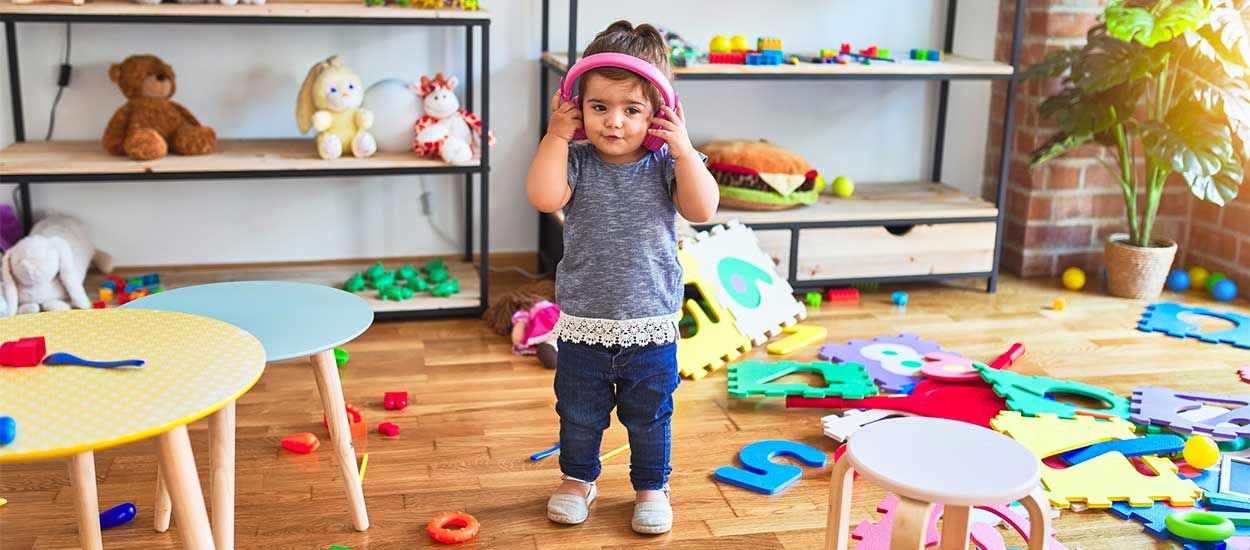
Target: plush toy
{"x": 396, "y": 108}
{"x": 757, "y": 175}
{"x": 150, "y": 125}
{"x": 329, "y": 102}
{"x": 446, "y": 130}
{"x": 48, "y": 267}
{"x": 529, "y": 318}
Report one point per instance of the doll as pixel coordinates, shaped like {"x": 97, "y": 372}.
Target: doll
{"x": 528, "y": 316}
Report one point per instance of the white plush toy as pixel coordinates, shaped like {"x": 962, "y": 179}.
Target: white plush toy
{"x": 446, "y": 130}
{"x": 329, "y": 102}
{"x": 47, "y": 268}
{"x": 396, "y": 108}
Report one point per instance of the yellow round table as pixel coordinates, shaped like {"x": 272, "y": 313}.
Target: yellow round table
{"x": 194, "y": 366}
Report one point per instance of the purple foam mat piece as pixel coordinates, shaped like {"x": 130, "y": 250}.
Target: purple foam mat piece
{"x": 1159, "y": 405}
{"x": 862, "y": 351}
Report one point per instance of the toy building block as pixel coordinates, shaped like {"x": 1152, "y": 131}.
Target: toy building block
{"x": 151, "y": 279}
{"x": 341, "y": 356}
{"x": 8, "y": 430}
{"x": 727, "y": 58}
{"x": 99, "y": 305}
{"x": 846, "y": 48}
{"x": 800, "y": 336}
{"x": 109, "y": 285}
{"x": 395, "y": 400}
{"x": 812, "y": 299}
{"x": 355, "y": 419}
{"x": 26, "y": 352}
{"x": 768, "y": 44}
{"x": 842, "y": 295}
{"x": 848, "y": 380}
{"x": 388, "y": 429}
{"x": 106, "y": 294}
{"x": 302, "y": 443}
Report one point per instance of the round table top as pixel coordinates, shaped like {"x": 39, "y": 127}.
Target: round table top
{"x": 291, "y": 320}
{"x": 943, "y": 461}
{"x": 193, "y": 367}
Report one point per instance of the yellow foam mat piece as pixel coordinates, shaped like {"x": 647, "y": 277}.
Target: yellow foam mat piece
{"x": 715, "y": 342}
{"x": 1097, "y": 482}
{"x": 800, "y": 336}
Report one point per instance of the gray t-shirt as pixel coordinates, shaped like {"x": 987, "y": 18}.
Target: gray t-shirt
{"x": 620, "y": 251}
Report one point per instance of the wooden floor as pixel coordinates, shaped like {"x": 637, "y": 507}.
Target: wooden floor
{"x": 477, "y": 412}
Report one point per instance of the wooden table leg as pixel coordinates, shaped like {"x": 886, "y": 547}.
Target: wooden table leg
{"x": 178, "y": 469}
{"x": 221, "y": 475}
{"x": 838, "y": 526}
{"x": 327, "y": 373}
{"x": 1039, "y": 518}
{"x": 82, "y": 481}
{"x": 911, "y": 524}
{"x": 160, "y": 516}
{"x": 955, "y": 527}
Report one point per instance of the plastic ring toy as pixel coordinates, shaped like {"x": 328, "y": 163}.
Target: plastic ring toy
{"x": 1200, "y": 526}
{"x": 438, "y": 527}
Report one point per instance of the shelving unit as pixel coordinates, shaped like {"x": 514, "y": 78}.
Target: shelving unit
{"x": 26, "y": 163}
{"x": 946, "y": 231}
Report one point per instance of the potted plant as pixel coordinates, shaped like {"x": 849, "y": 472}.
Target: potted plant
{"x": 1164, "y": 85}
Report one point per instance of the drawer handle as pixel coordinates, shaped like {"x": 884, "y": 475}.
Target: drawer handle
{"x": 899, "y": 230}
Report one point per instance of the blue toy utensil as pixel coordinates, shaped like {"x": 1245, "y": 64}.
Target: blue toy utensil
{"x": 67, "y": 359}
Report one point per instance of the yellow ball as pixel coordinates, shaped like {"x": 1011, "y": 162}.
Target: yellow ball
{"x": 1073, "y": 278}
{"x": 738, "y": 43}
{"x": 1198, "y": 277}
{"x": 843, "y": 186}
{"x": 1201, "y": 452}
{"x": 719, "y": 44}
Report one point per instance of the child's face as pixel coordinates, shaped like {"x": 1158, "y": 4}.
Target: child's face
{"x": 616, "y": 115}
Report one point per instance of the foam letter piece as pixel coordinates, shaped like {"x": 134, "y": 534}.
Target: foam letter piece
{"x": 838, "y": 428}
{"x": 971, "y": 402}
{"x": 714, "y": 342}
{"x": 1149, "y": 445}
{"x": 893, "y": 361}
{"x": 1158, "y": 405}
{"x": 1027, "y": 394}
{"x": 1163, "y": 317}
{"x": 1102, "y": 479}
{"x": 800, "y": 336}
{"x": 1017, "y": 522}
{"x": 765, "y": 476}
{"x": 845, "y": 380}
{"x": 876, "y": 536}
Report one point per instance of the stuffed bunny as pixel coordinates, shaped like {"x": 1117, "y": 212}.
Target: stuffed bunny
{"x": 446, "y": 130}
{"x": 48, "y": 267}
{"x": 329, "y": 102}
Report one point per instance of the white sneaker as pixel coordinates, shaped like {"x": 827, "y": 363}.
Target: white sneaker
{"x": 571, "y": 509}
{"x": 653, "y": 517}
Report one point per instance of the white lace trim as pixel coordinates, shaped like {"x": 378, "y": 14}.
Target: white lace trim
{"x": 661, "y": 329}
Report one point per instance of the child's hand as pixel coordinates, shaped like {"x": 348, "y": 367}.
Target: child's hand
{"x": 566, "y": 119}
{"x": 673, "y": 131}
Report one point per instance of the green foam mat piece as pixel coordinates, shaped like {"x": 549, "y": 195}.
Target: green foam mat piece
{"x": 1027, "y": 394}
{"x": 846, "y": 380}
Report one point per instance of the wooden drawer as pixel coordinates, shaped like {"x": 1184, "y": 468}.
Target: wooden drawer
{"x": 869, "y": 252}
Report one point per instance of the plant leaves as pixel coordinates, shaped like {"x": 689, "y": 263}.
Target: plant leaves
{"x": 1079, "y": 112}
{"x": 1109, "y": 62}
{"x": 1228, "y": 30}
{"x": 1057, "y": 63}
{"x": 1162, "y": 22}
{"x": 1220, "y": 188}
{"x": 1190, "y": 141}
{"x": 1056, "y": 146}
{"x": 1207, "y": 82}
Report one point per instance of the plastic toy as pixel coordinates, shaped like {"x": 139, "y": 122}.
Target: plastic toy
{"x": 1150, "y": 445}
{"x": 302, "y": 443}
{"x": 355, "y": 419}
{"x": 1201, "y": 452}
{"x": 395, "y": 293}
{"x": 893, "y": 361}
{"x": 395, "y": 400}
{"x": 718, "y": 44}
{"x": 608, "y": 455}
{"x": 63, "y": 358}
{"x": 1008, "y": 357}
{"x": 1198, "y": 276}
{"x": 1235, "y": 476}
{"x": 1212, "y": 279}
{"x": 1153, "y": 518}
{"x": 1220, "y": 502}
{"x": 1244, "y": 374}
{"x": 1224, "y": 291}
{"x": 25, "y": 352}
{"x": 842, "y": 295}
{"x": 1027, "y": 394}
{"x": 106, "y": 294}
{"x": 1059, "y": 304}
{"x": 727, "y": 58}
{"x": 763, "y": 44}
{"x": 950, "y": 367}
{"x": 840, "y": 427}
{"x": 971, "y": 402}
{"x": 117, "y": 515}
{"x": 800, "y": 336}
{"x": 876, "y": 535}
{"x": 848, "y": 380}
{"x": 8, "y": 430}
{"x": 1163, "y": 406}
{"x": 544, "y": 454}
{"x": 1074, "y": 278}
{"x": 98, "y": 305}
{"x": 341, "y": 356}
{"x": 446, "y": 288}
{"x": 1200, "y": 526}
{"x": 364, "y": 463}
{"x": 899, "y": 298}
{"x": 440, "y": 530}
{"x": 812, "y": 299}
{"x": 763, "y": 475}
{"x": 714, "y": 342}
{"x": 1162, "y": 317}
{"x": 1178, "y": 281}
{"x": 335, "y": 546}
{"x": 388, "y": 429}
{"x": 926, "y": 55}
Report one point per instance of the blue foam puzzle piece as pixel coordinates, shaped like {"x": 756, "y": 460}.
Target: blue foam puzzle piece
{"x": 1149, "y": 445}
{"x": 1163, "y": 317}
{"x": 1152, "y": 517}
{"x": 760, "y": 474}
{"x": 1207, "y": 480}
{"x": 1221, "y": 502}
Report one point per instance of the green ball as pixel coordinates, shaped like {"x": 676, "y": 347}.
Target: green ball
{"x": 843, "y": 186}
{"x": 1213, "y": 278}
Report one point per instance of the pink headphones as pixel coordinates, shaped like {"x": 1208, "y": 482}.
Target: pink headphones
{"x": 629, "y": 63}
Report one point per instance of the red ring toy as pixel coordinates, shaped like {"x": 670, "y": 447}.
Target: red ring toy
{"x": 438, "y": 527}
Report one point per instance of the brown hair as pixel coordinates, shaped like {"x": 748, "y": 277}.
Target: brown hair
{"x": 643, "y": 42}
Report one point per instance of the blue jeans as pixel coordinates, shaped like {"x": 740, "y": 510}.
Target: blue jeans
{"x": 639, "y": 381}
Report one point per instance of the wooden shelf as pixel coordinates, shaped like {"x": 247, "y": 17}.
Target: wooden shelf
{"x": 874, "y": 202}
{"x": 331, "y": 273}
{"x": 346, "y": 11}
{"x": 951, "y": 67}
{"x": 86, "y": 160}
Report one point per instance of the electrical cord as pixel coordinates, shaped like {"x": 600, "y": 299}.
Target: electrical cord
{"x": 62, "y": 81}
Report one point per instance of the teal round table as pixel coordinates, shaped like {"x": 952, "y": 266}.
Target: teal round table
{"x": 291, "y": 321}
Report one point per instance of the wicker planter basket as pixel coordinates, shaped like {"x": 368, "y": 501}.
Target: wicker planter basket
{"x": 1137, "y": 272}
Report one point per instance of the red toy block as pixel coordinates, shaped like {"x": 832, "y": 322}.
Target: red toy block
{"x": 842, "y": 295}
{"x": 98, "y": 305}
{"x": 26, "y": 352}
{"x": 727, "y": 58}
{"x": 388, "y": 429}
{"x": 395, "y": 400}
{"x": 846, "y": 48}
{"x": 355, "y": 419}
{"x": 302, "y": 443}
{"x": 870, "y": 51}
{"x": 122, "y": 298}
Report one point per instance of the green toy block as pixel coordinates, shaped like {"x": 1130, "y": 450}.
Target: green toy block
{"x": 846, "y": 380}
{"x": 1027, "y": 394}
{"x": 341, "y": 356}
{"x": 375, "y": 271}
{"x": 355, "y": 283}
{"x": 387, "y": 278}
{"x": 406, "y": 272}
{"x": 813, "y": 299}
{"x": 337, "y": 547}
{"x": 446, "y": 288}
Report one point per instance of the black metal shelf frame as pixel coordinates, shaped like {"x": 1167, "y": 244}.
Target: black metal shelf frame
{"x": 550, "y": 247}
{"x": 482, "y": 170}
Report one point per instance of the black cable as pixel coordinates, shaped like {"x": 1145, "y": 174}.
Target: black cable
{"x": 62, "y": 80}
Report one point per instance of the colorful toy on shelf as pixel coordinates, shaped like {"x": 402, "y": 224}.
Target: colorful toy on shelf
{"x": 765, "y": 58}
{"x": 759, "y": 473}
{"x": 395, "y": 400}
{"x": 355, "y": 420}
{"x": 799, "y": 337}
{"x": 24, "y": 352}
{"x": 150, "y": 124}
{"x": 1224, "y": 291}
{"x": 446, "y": 288}
{"x": 117, "y": 515}
{"x": 397, "y": 293}
{"x": 843, "y": 187}
{"x": 848, "y": 380}
{"x": 1073, "y": 278}
{"x": 330, "y": 103}
{"x": 446, "y": 130}
{"x": 62, "y": 358}
{"x": 388, "y": 429}
{"x": 926, "y": 55}
{"x": 1164, "y": 317}
{"x": 1178, "y": 281}
{"x": 1214, "y": 277}
{"x": 8, "y": 430}
{"x": 718, "y": 44}
{"x": 893, "y": 361}
{"x": 758, "y": 175}
{"x": 1201, "y": 452}
{"x": 441, "y": 527}
{"x": 765, "y": 44}
{"x": 899, "y": 298}
{"x": 813, "y": 299}
{"x": 727, "y": 58}
{"x": 302, "y": 443}
{"x": 1198, "y": 276}
{"x": 842, "y": 295}
{"x": 355, "y": 283}
{"x": 396, "y": 107}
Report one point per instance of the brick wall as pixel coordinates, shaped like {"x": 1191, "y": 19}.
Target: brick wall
{"x": 1219, "y": 238}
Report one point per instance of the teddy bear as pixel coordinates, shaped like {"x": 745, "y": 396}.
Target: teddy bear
{"x": 45, "y": 270}
{"x": 150, "y": 125}
{"x": 329, "y": 102}
{"x": 446, "y": 130}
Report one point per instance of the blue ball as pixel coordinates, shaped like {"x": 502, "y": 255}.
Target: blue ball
{"x": 899, "y": 298}
{"x": 8, "y": 430}
{"x": 1178, "y": 280}
{"x": 1224, "y": 291}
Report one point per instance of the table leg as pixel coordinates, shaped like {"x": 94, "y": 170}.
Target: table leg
{"x": 911, "y": 524}
{"x": 955, "y": 526}
{"x": 838, "y": 526}
{"x": 221, "y": 475}
{"x": 178, "y": 469}
{"x": 331, "y": 389}
{"x": 160, "y": 516}
{"x": 1039, "y": 518}
{"x": 82, "y": 481}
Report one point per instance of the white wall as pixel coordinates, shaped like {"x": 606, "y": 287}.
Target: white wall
{"x": 242, "y": 80}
